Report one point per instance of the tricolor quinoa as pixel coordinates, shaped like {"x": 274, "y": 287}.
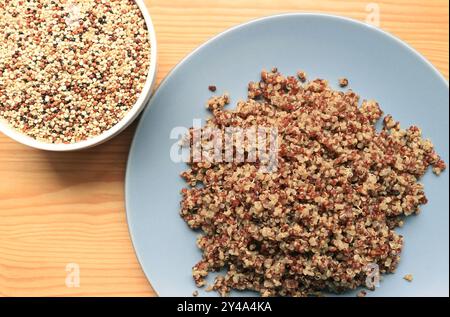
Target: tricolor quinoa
{"x": 70, "y": 69}
{"x": 330, "y": 209}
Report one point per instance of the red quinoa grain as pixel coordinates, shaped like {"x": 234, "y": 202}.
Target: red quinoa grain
{"x": 343, "y": 82}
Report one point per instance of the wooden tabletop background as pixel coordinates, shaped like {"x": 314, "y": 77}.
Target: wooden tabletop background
{"x": 63, "y": 213}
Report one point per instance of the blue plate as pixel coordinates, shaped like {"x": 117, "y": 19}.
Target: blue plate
{"x": 379, "y": 67}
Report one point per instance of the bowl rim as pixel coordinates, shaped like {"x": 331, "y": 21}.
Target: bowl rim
{"x": 132, "y": 114}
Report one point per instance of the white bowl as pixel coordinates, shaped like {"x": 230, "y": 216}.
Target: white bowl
{"x": 121, "y": 125}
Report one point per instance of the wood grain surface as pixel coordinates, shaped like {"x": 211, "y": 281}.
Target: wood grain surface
{"x": 61, "y": 208}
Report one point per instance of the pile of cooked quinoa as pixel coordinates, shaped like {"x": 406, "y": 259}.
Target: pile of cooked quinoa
{"x": 328, "y": 212}
{"x": 70, "y": 69}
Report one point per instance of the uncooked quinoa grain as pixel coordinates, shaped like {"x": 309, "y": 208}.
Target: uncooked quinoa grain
{"x": 327, "y": 215}
{"x": 70, "y": 69}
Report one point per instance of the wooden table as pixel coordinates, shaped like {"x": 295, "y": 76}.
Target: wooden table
{"x": 62, "y": 208}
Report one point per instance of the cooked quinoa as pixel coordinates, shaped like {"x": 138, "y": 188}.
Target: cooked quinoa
{"x": 302, "y": 76}
{"x": 343, "y": 82}
{"x": 70, "y": 69}
{"x": 361, "y": 293}
{"x": 330, "y": 209}
{"x": 408, "y": 277}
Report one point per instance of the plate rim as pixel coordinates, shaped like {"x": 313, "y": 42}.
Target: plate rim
{"x": 161, "y": 85}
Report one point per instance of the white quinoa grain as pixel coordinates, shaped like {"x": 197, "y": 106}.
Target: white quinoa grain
{"x": 408, "y": 277}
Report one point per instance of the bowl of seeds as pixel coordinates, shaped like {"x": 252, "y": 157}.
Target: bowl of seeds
{"x": 73, "y": 73}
